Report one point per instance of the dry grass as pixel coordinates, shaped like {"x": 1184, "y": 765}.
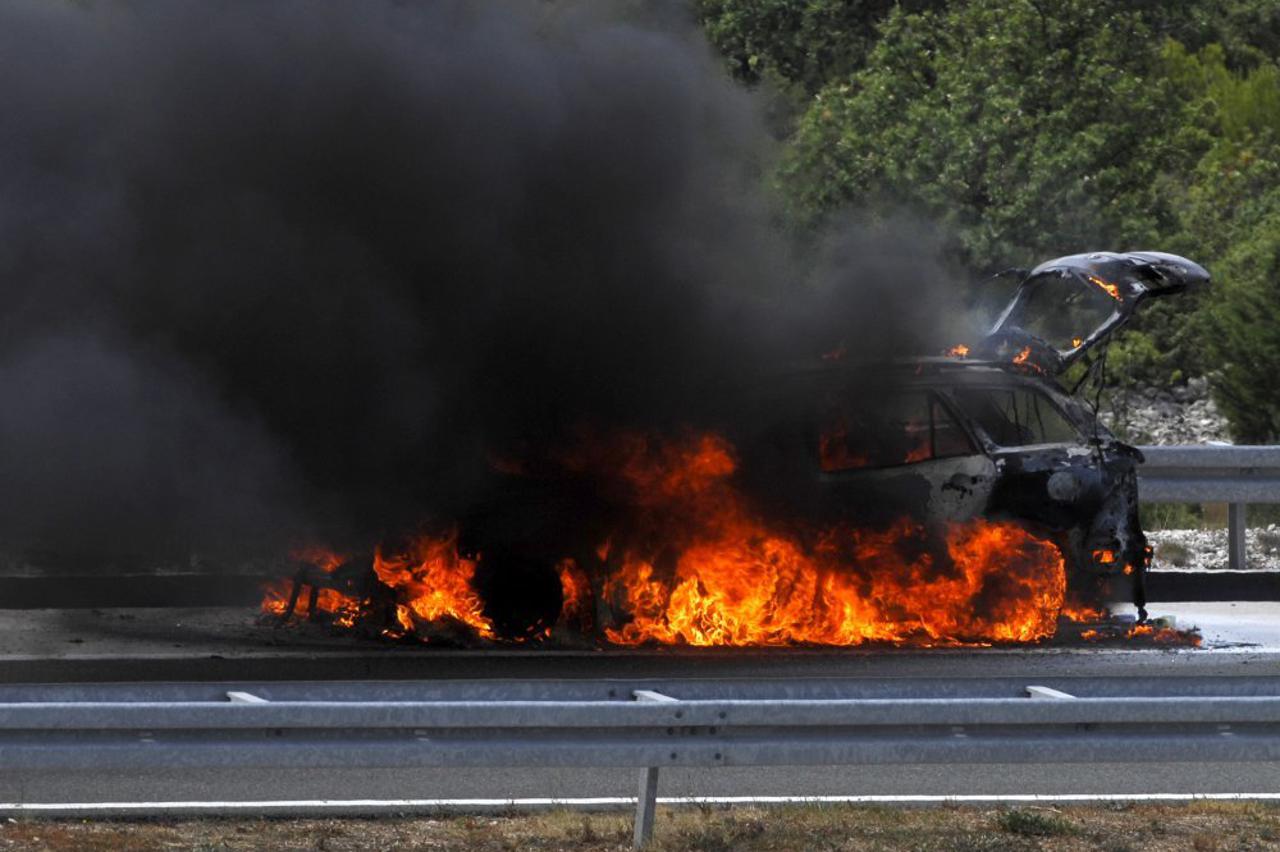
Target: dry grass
{"x": 1202, "y": 826}
{"x": 1173, "y": 553}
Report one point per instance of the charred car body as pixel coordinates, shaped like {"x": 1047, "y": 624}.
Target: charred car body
{"x": 1085, "y": 487}
{"x": 987, "y": 434}
{"x": 991, "y": 432}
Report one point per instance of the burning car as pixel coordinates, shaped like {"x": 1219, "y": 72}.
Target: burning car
{"x": 969, "y": 497}
{"x": 992, "y": 432}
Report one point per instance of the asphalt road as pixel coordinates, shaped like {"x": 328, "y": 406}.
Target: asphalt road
{"x": 357, "y": 791}
{"x": 227, "y": 643}
{"x": 153, "y": 645}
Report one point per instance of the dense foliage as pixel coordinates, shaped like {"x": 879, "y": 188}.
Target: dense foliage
{"x": 800, "y": 45}
{"x": 1030, "y": 129}
{"x": 1232, "y": 215}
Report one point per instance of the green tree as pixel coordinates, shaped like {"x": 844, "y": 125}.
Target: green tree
{"x": 1231, "y": 215}
{"x": 1026, "y": 128}
{"x": 798, "y": 44}
{"x": 1243, "y": 326}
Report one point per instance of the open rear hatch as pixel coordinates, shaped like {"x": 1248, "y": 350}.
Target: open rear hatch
{"x": 1065, "y": 307}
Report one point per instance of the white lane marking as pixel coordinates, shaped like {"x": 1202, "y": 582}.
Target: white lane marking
{"x": 625, "y": 800}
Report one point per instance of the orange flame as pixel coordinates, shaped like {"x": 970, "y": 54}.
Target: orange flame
{"x": 320, "y": 557}
{"x": 1164, "y": 635}
{"x": 1080, "y": 612}
{"x": 1110, "y": 289}
{"x": 768, "y": 591}
{"x": 1021, "y": 357}
{"x": 341, "y": 609}
{"x": 958, "y": 351}
{"x": 434, "y": 583}
{"x": 834, "y": 452}
{"x": 431, "y": 584}
{"x": 739, "y": 581}
{"x": 1145, "y": 633}
{"x": 575, "y": 590}
{"x": 696, "y": 564}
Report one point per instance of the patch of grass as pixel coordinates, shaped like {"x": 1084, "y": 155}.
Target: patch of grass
{"x": 1173, "y": 553}
{"x": 1215, "y": 516}
{"x": 1204, "y": 843}
{"x": 1110, "y": 844}
{"x": 1171, "y": 516}
{"x": 977, "y": 841}
{"x": 1114, "y": 827}
{"x": 1263, "y": 514}
{"x": 1029, "y": 823}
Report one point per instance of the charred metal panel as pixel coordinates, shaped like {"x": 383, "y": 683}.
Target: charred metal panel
{"x": 1067, "y": 306}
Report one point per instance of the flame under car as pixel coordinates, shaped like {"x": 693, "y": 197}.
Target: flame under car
{"x": 952, "y": 441}
{"x": 967, "y": 498}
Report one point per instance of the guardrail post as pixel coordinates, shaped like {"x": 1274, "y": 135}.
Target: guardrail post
{"x": 646, "y": 804}
{"x": 647, "y": 797}
{"x": 1237, "y": 524}
{"x": 1235, "y": 475}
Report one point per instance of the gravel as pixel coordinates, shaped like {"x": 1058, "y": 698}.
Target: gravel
{"x": 1183, "y": 414}
{"x": 1206, "y": 550}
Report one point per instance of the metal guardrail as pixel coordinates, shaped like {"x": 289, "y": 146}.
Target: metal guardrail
{"x": 643, "y": 725}
{"x": 1227, "y": 474}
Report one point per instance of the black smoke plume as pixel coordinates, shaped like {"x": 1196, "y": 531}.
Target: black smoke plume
{"x": 274, "y": 271}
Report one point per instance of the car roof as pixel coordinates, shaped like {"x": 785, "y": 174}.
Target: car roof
{"x": 931, "y": 370}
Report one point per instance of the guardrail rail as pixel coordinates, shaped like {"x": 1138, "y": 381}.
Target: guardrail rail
{"x": 643, "y": 725}
{"x": 1235, "y": 475}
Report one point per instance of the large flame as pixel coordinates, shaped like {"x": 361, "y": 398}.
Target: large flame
{"x": 430, "y": 586}
{"x": 1004, "y": 586}
{"x": 694, "y": 563}
{"x": 738, "y": 580}
{"x": 313, "y": 598}
{"x": 433, "y": 584}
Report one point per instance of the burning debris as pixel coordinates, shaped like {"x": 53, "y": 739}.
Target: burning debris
{"x": 798, "y": 601}
{"x": 769, "y": 594}
{"x": 1102, "y": 627}
{"x": 430, "y": 584}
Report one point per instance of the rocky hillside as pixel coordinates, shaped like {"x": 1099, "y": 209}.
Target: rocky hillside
{"x": 1184, "y": 414}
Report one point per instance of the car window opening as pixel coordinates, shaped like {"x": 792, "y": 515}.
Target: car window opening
{"x": 902, "y": 429}
{"x": 1062, "y": 309}
{"x": 1016, "y": 417}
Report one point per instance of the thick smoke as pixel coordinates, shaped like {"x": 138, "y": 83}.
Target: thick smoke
{"x": 287, "y": 269}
